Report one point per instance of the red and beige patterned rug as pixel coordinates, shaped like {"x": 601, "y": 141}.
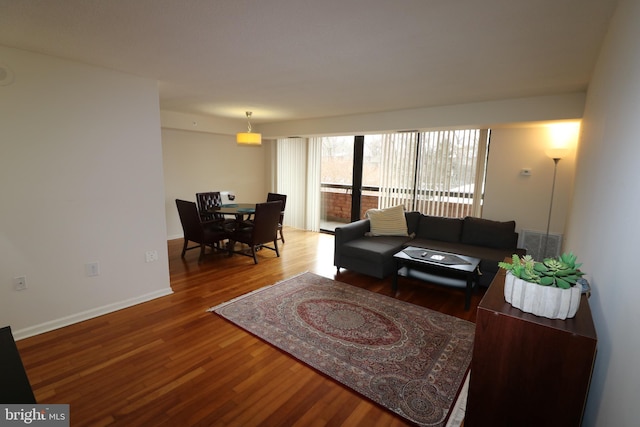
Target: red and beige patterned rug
{"x": 409, "y": 359}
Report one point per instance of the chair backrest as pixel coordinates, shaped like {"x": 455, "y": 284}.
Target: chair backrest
{"x": 190, "y": 219}
{"x": 265, "y": 222}
{"x": 272, "y": 197}
{"x": 208, "y": 200}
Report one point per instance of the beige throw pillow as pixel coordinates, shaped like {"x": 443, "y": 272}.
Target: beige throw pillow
{"x": 387, "y": 222}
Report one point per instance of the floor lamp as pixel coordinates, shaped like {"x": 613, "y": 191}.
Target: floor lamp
{"x": 556, "y": 155}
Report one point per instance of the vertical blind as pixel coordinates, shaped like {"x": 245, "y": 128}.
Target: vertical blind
{"x": 291, "y": 180}
{"x": 313, "y": 205}
{"x": 398, "y": 160}
{"x": 438, "y": 173}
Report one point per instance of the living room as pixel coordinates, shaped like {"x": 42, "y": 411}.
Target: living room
{"x": 85, "y": 178}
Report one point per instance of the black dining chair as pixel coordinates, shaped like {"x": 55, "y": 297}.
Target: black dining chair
{"x": 263, "y": 230}
{"x": 205, "y": 233}
{"x": 272, "y": 197}
{"x": 207, "y": 201}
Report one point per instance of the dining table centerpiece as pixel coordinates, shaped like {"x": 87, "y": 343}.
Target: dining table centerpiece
{"x": 547, "y": 288}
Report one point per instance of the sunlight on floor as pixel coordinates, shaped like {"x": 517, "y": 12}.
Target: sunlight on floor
{"x": 315, "y": 255}
{"x": 324, "y": 261}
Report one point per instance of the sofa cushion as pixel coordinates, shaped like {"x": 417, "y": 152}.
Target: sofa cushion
{"x": 413, "y": 220}
{"x": 375, "y": 249}
{"x": 387, "y": 222}
{"x": 439, "y": 228}
{"x": 482, "y": 252}
{"x": 485, "y": 232}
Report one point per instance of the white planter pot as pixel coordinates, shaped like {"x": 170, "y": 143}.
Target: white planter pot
{"x": 545, "y": 301}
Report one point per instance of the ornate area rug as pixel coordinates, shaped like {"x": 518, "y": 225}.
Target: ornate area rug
{"x": 407, "y": 358}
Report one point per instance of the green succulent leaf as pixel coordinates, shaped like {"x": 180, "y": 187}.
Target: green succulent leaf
{"x": 566, "y": 272}
{"x": 505, "y": 265}
{"x": 546, "y": 281}
{"x": 568, "y": 258}
{"x": 540, "y": 267}
{"x": 527, "y": 276}
{"x": 572, "y": 279}
{"x": 561, "y": 272}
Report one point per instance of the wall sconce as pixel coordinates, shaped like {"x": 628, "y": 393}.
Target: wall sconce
{"x": 249, "y": 138}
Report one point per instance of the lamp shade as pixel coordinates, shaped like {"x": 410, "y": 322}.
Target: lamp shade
{"x": 249, "y": 138}
{"x": 557, "y": 153}
{"x": 562, "y": 137}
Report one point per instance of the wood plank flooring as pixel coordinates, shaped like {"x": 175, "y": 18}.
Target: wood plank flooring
{"x": 168, "y": 362}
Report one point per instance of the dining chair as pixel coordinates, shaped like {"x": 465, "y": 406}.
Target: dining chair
{"x": 204, "y": 233}
{"x": 210, "y": 200}
{"x": 263, "y": 230}
{"x": 271, "y": 197}
{"x": 207, "y": 201}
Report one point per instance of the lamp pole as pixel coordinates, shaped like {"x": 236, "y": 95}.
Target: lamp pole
{"x": 553, "y": 187}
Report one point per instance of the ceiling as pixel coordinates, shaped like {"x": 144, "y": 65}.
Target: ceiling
{"x": 302, "y": 59}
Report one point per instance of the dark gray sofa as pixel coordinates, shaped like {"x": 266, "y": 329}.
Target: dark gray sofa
{"x": 491, "y": 241}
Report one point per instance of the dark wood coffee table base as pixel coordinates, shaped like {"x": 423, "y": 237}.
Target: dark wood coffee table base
{"x": 463, "y": 276}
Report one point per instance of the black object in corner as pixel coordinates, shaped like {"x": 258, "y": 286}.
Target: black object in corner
{"x": 14, "y": 383}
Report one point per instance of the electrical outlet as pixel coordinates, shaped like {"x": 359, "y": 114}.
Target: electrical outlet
{"x": 525, "y": 172}
{"x": 92, "y": 269}
{"x": 19, "y": 283}
{"x": 151, "y": 256}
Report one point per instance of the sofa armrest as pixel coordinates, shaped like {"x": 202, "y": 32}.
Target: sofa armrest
{"x": 346, "y": 233}
{"x": 351, "y": 231}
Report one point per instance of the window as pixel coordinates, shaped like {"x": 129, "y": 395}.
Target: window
{"x": 438, "y": 173}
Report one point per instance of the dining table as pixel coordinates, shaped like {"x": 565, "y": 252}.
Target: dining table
{"x": 241, "y": 211}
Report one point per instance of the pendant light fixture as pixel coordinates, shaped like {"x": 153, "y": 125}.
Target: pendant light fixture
{"x": 248, "y": 137}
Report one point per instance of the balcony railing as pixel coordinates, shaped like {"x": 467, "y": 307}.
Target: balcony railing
{"x": 336, "y": 202}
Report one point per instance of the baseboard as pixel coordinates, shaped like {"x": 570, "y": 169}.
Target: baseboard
{"x": 88, "y": 314}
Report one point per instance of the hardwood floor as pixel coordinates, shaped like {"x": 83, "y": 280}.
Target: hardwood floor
{"x": 169, "y": 362}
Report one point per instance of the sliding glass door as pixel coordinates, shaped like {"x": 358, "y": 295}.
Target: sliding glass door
{"x": 438, "y": 173}
{"x": 336, "y": 177}
{"x": 350, "y": 178}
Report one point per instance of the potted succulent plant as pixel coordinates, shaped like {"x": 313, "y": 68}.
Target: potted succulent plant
{"x": 547, "y": 288}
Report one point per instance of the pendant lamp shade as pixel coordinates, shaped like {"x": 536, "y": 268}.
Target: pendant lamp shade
{"x": 248, "y": 137}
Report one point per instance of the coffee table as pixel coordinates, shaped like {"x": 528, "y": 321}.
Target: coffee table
{"x": 442, "y": 268}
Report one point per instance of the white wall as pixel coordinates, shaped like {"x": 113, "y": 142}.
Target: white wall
{"x": 81, "y": 181}
{"x": 603, "y": 226}
{"x": 488, "y": 114}
{"x": 197, "y": 162}
{"x": 510, "y": 195}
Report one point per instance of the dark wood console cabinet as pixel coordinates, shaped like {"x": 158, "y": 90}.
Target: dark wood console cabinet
{"x": 528, "y": 370}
